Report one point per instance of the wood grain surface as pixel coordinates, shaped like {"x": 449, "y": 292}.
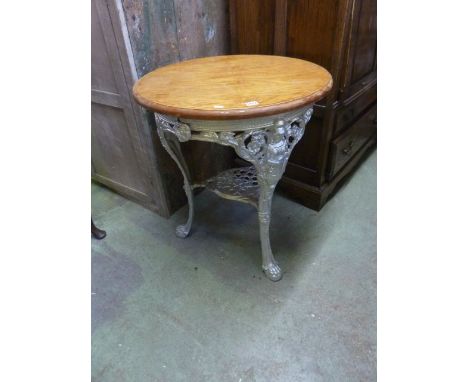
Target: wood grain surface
{"x": 232, "y": 87}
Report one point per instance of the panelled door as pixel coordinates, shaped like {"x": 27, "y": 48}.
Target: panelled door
{"x": 118, "y": 154}
{"x": 361, "y": 67}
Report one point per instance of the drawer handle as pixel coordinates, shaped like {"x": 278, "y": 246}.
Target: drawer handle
{"x": 347, "y": 150}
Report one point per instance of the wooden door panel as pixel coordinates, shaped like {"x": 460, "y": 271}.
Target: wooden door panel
{"x": 366, "y": 40}
{"x": 110, "y": 149}
{"x": 360, "y": 71}
{"x": 115, "y": 143}
{"x": 312, "y": 41}
{"x": 253, "y": 24}
{"x": 102, "y": 76}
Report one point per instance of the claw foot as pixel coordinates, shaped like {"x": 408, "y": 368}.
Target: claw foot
{"x": 273, "y": 272}
{"x": 182, "y": 231}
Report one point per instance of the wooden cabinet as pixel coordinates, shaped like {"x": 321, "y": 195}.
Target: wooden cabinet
{"x": 352, "y": 140}
{"x": 340, "y": 35}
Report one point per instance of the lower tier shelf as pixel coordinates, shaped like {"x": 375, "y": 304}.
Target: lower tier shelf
{"x": 239, "y": 184}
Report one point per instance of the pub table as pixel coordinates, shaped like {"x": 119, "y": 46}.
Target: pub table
{"x": 257, "y": 104}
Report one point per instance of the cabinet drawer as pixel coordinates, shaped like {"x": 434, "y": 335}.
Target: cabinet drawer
{"x": 348, "y": 114}
{"x": 347, "y": 144}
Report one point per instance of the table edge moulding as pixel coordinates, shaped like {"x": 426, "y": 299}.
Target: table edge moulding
{"x": 229, "y": 87}
{"x": 263, "y": 134}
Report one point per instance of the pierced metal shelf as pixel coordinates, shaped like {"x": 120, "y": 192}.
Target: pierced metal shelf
{"x": 239, "y": 184}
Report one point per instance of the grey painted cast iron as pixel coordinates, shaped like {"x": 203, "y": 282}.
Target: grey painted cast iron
{"x": 265, "y": 142}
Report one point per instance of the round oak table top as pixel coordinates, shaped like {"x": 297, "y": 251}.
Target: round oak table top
{"x": 232, "y": 87}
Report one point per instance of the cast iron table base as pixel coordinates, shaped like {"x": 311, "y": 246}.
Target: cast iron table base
{"x": 265, "y": 142}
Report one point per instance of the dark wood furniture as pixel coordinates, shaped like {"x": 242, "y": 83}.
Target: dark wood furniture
{"x": 339, "y": 35}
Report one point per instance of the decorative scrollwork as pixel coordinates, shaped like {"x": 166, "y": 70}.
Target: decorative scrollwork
{"x": 268, "y": 148}
{"x": 179, "y": 129}
{"x": 271, "y": 145}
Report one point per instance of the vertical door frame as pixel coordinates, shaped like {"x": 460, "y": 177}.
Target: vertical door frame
{"x": 123, "y": 66}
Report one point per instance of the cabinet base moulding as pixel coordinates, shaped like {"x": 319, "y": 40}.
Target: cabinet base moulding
{"x": 315, "y": 197}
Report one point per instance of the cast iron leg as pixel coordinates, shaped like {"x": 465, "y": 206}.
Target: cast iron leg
{"x": 268, "y": 150}
{"x": 172, "y": 146}
{"x": 269, "y": 265}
